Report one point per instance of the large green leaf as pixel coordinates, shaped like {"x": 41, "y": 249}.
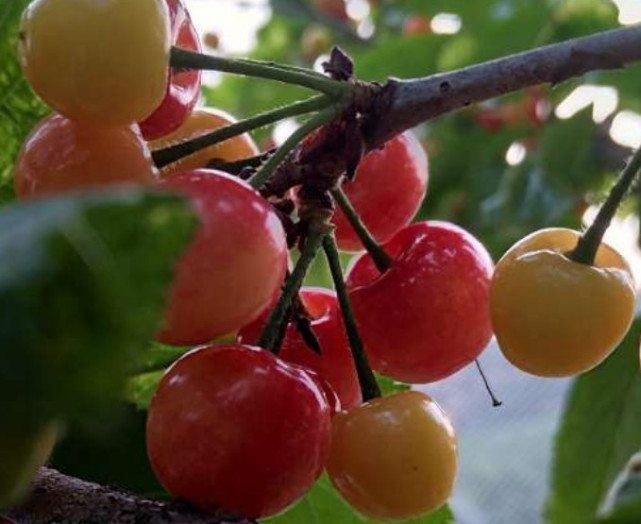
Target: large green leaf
{"x": 600, "y": 430}
{"x": 626, "y": 504}
{"x": 323, "y": 505}
{"x": 82, "y": 288}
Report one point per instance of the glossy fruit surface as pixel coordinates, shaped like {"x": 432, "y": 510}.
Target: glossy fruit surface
{"x": 388, "y": 189}
{"x": 233, "y": 267}
{"x": 23, "y": 451}
{"x": 394, "y": 457}
{"x": 200, "y": 122}
{"x": 335, "y": 364}
{"x": 62, "y": 155}
{"x": 183, "y": 87}
{"x": 555, "y": 317}
{"x": 428, "y": 315}
{"x": 234, "y": 426}
{"x": 103, "y": 61}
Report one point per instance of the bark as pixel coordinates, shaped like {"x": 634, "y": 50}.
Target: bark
{"x": 57, "y": 498}
{"x": 403, "y": 104}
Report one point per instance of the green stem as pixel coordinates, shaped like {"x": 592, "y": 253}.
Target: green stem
{"x": 382, "y": 260}
{"x": 168, "y": 155}
{"x": 269, "y": 336}
{"x": 236, "y": 167}
{"x": 183, "y": 59}
{"x": 319, "y": 119}
{"x": 366, "y": 378}
{"x": 588, "y": 245}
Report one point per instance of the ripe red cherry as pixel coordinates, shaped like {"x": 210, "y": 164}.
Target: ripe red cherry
{"x": 336, "y": 364}
{"x": 62, "y": 155}
{"x": 233, "y": 267}
{"x": 426, "y": 316}
{"x": 235, "y": 427}
{"x": 183, "y": 87}
{"x": 387, "y": 191}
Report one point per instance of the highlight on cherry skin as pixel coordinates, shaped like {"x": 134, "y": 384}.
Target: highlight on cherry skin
{"x": 59, "y": 154}
{"x": 234, "y": 426}
{"x": 335, "y": 363}
{"x": 385, "y": 208}
{"x": 439, "y": 276}
{"x": 394, "y": 457}
{"x": 183, "y": 87}
{"x": 576, "y": 313}
{"x": 202, "y": 121}
{"x": 119, "y": 70}
{"x": 239, "y": 251}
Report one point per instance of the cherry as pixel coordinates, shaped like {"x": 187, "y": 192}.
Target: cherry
{"x": 61, "y": 155}
{"x": 233, "y": 267}
{"x": 416, "y": 25}
{"x": 426, "y": 316}
{"x": 394, "y": 457}
{"x": 335, "y": 364}
{"x": 234, "y": 426}
{"x": 388, "y": 188}
{"x": 333, "y": 8}
{"x": 183, "y": 87}
{"x": 200, "y": 122}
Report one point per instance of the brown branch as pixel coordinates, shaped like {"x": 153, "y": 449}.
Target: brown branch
{"x": 404, "y": 104}
{"x": 66, "y": 500}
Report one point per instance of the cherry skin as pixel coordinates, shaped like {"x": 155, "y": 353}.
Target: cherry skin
{"x": 234, "y": 426}
{"x": 200, "y": 122}
{"x": 427, "y": 315}
{"x": 335, "y": 364}
{"x": 183, "y": 87}
{"x": 394, "y": 458}
{"x": 62, "y": 155}
{"x": 233, "y": 267}
{"x": 100, "y": 62}
{"x": 554, "y": 317}
{"x": 388, "y": 188}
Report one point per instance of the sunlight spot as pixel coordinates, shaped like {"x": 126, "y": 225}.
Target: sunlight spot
{"x": 446, "y": 24}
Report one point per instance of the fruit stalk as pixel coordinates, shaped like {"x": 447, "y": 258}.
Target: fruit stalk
{"x": 366, "y": 378}
{"x": 168, "y": 155}
{"x": 380, "y": 257}
{"x": 588, "y": 245}
{"x": 183, "y": 59}
{"x": 317, "y": 230}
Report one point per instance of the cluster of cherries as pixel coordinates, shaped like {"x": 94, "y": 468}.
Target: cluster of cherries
{"x": 234, "y": 425}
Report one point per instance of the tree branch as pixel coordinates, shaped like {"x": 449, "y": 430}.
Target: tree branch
{"x": 58, "y": 498}
{"x": 404, "y": 104}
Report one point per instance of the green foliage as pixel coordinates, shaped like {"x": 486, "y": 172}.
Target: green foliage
{"x": 599, "y": 433}
{"x": 80, "y": 295}
{"x": 323, "y": 504}
{"x": 626, "y": 506}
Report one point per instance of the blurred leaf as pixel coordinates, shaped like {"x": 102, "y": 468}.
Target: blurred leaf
{"x": 323, "y": 505}
{"x": 599, "y": 432}
{"x": 82, "y": 289}
{"x": 626, "y": 506}
{"x": 141, "y": 388}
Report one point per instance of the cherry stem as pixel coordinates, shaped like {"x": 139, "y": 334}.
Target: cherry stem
{"x": 236, "y": 167}
{"x": 382, "y": 260}
{"x": 317, "y": 230}
{"x": 188, "y": 60}
{"x": 173, "y": 153}
{"x": 495, "y": 401}
{"x": 588, "y": 245}
{"x": 322, "y": 117}
{"x": 366, "y": 378}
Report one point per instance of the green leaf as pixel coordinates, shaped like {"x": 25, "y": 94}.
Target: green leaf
{"x": 82, "y": 290}
{"x": 19, "y": 107}
{"x": 323, "y": 504}
{"x": 599, "y": 432}
{"x": 626, "y": 506}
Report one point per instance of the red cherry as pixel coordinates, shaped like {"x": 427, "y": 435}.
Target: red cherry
{"x": 334, "y": 8}
{"x": 388, "y": 188}
{"x": 233, "y": 267}
{"x": 427, "y": 316}
{"x": 235, "y": 427}
{"x": 183, "y": 87}
{"x": 416, "y": 25}
{"x": 335, "y": 364}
